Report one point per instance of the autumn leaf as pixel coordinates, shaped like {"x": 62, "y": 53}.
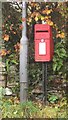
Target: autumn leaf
{"x": 4, "y": 52}
{"x": 60, "y": 35}
{"x": 42, "y": 18}
{"x": 16, "y": 100}
{"x": 21, "y": 27}
{"x": 17, "y": 46}
{"x": 14, "y": 32}
{"x": 47, "y": 11}
{"x": 8, "y": 51}
{"x": 49, "y": 22}
{"x": 6, "y": 37}
{"x": 33, "y": 4}
{"x": 46, "y": 18}
{"x": 30, "y": 19}
{"x": 37, "y": 14}
{"x": 36, "y": 18}
{"x": 33, "y": 14}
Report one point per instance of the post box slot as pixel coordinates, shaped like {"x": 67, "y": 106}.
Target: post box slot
{"x": 42, "y": 31}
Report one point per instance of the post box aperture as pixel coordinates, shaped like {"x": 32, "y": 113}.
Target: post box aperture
{"x": 44, "y": 45}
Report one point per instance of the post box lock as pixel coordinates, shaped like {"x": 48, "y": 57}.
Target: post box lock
{"x": 44, "y": 46}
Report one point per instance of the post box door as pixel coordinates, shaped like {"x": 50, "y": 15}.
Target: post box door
{"x": 42, "y": 50}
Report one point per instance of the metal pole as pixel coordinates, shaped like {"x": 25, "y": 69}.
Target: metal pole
{"x": 23, "y": 58}
{"x": 44, "y": 77}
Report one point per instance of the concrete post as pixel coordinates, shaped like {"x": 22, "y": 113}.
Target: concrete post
{"x": 23, "y": 58}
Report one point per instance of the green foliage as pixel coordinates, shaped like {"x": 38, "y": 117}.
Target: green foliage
{"x": 59, "y": 57}
{"x": 21, "y": 110}
{"x": 53, "y": 98}
{"x": 11, "y": 70}
{"x": 2, "y": 92}
{"x": 12, "y": 108}
{"x": 48, "y": 112}
{"x": 10, "y": 61}
{"x": 31, "y": 109}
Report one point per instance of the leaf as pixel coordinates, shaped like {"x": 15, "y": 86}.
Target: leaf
{"x": 47, "y": 11}
{"x": 53, "y": 98}
{"x": 11, "y": 56}
{"x": 3, "y": 52}
{"x": 58, "y": 68}
{"x": 54, "y": 66}
{"x": 36, "y": 18}
{"x": 14, "y": 61}
{"x": 20, "y": 27}
{"x": 6, "y": 37}
{"x": 63, "y": 50}
{"x": 49, "y": 22}
{"x": 42, "y": 17}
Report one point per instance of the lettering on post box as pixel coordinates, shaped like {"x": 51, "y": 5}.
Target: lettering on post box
{"x": 42, "y": 47}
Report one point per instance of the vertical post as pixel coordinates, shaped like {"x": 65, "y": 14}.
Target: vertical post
{"x": 1, "y": 81}
{"x": 44, "y": 77}
{"x": 0, "y": 34}
{"x": 0, "y": 48}
{"x": 23, "y": 58}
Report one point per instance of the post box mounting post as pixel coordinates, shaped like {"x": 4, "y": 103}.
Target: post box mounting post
{"x": 44, "y": 79}
{"x": 44, "y": 50}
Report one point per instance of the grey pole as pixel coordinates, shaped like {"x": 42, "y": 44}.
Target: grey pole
{"x": 23, "y": 58}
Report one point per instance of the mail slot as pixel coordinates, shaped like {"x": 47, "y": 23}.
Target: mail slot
{"x": 44, "y": 46}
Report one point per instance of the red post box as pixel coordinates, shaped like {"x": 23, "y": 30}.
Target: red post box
{"x": 44, "y": 45}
